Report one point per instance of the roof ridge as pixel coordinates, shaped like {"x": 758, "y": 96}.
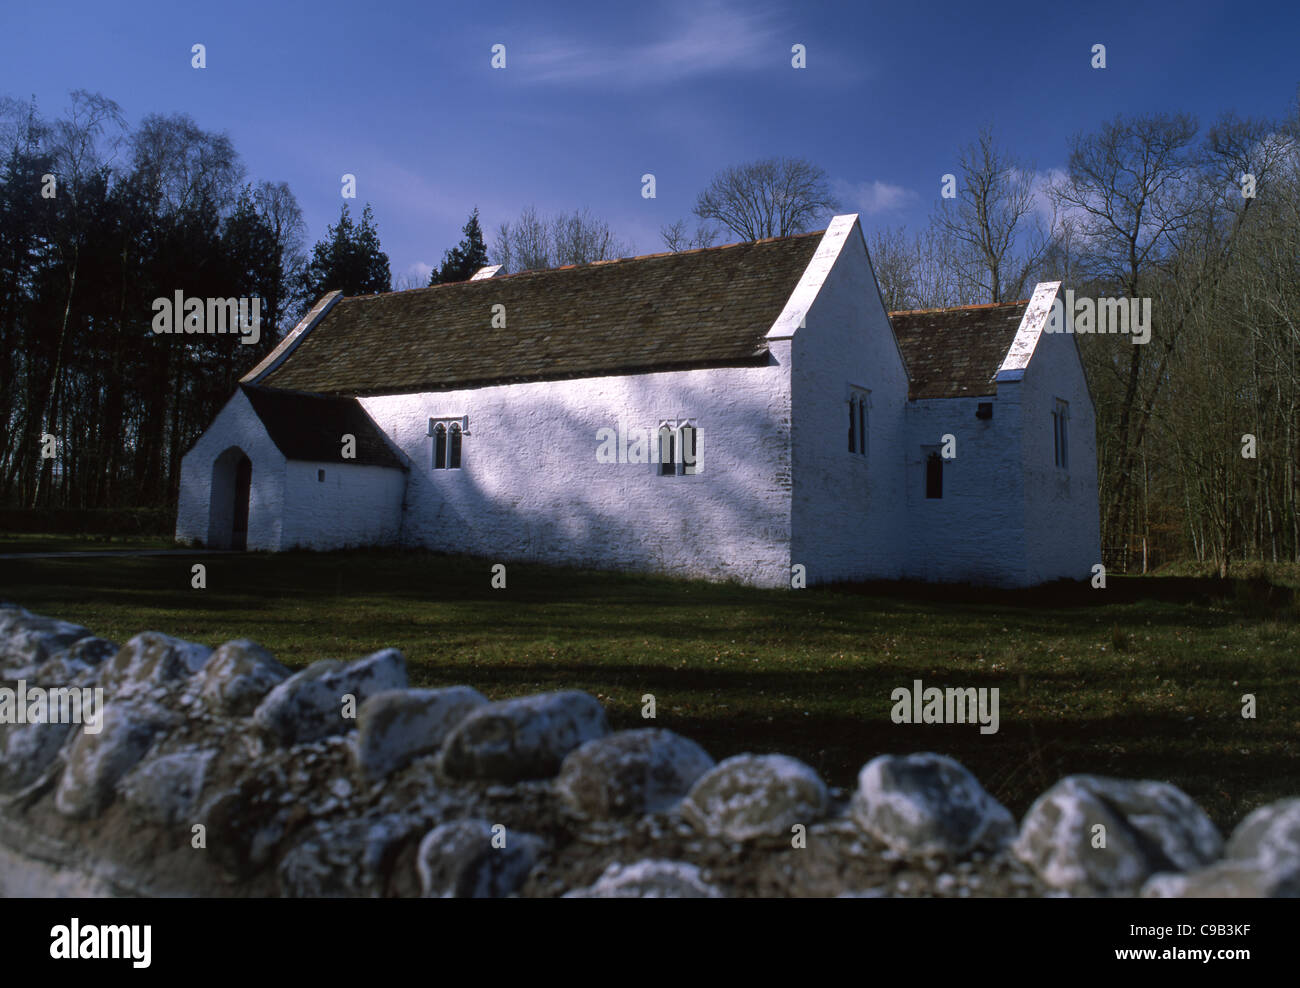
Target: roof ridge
{"x": 589, "y": 264}
{"x": 960, "y": 308}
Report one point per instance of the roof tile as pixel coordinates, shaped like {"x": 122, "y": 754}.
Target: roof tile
{"x": 954, "y": 353}
{"x": 699, "y": 308}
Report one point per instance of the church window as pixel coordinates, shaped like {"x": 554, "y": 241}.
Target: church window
{"x": 448, "y": 440}
{"x": 1060, "y": 434}
{"x": 680, "y": 452}
{"x": 859, "y": 400}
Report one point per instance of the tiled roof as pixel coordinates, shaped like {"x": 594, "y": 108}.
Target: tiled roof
{"x": 312, "y": 426}
{"x": 701, "y": 308}
{"x": 954, "y": 353}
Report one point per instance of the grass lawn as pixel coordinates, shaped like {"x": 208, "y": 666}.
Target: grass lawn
{"x": 29, "y": 542}
{"x": 1141, "y": 680}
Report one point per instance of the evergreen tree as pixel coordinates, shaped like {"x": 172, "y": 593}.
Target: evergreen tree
{"x": 349, "y": 259}
{"x": 461, "y": 262}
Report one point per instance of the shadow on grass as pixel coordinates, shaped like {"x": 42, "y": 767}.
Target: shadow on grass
{"x": 420, "y": 575}
{"x": 807, "y": 673}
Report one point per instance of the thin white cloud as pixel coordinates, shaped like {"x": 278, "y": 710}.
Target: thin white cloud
{"x": 1039, "y": 187}
{"x": 706, "y": 37}
{"x": 870, "y": 198}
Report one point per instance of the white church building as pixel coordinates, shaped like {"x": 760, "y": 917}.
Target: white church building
{"x": 728, "y": 413}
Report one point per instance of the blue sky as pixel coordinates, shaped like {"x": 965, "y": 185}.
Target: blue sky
{"x": 594, "y": 95}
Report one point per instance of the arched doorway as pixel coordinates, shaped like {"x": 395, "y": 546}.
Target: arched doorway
{"x": 228, "y": 507}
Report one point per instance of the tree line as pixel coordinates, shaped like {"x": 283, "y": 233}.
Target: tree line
{"x": 98, "y": 220}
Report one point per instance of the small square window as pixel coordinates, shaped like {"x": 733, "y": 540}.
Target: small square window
{"x": 320, "y": 476}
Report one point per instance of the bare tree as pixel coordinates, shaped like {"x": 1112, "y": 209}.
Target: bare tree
{"x": 1133, "y": 187}
{"x": 1233, "y": 371}
{"x": 774, "y": 197}
{"x": 183, "y": 165}
{"x": 78, "y": 139}
{"x": 1132, "y": 184}
{"x": 1060, "y": 260}
{"x": 405, "y": 282}
{"x": 677, "y": 236}
{"x": 916, "y": 272}
{"x": 992, "y": 222}
{"x": 278, "y": 207}
{"x": 19, "y": 123}
{"x": 534, "y": 242}
{"x": 580, "y": 238}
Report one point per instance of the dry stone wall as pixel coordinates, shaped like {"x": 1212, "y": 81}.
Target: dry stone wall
{"x": 222, "y": 773}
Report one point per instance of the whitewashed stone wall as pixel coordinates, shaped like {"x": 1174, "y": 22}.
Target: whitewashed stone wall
{"x": 975, "y": 532}
{"x": 848, "y": 520}
{"x": 530, "y": 486}
{"x": 355, "y": 505}
{"x": 1062, "y": 518}
{"x": 236, "y": 425}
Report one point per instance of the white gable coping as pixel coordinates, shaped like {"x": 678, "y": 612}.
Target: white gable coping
{"x": 487, "y": 272}
{"x": 287, "y": 345}
{"x": 1032, "y": 322}
{"x": 814, "y": 276}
